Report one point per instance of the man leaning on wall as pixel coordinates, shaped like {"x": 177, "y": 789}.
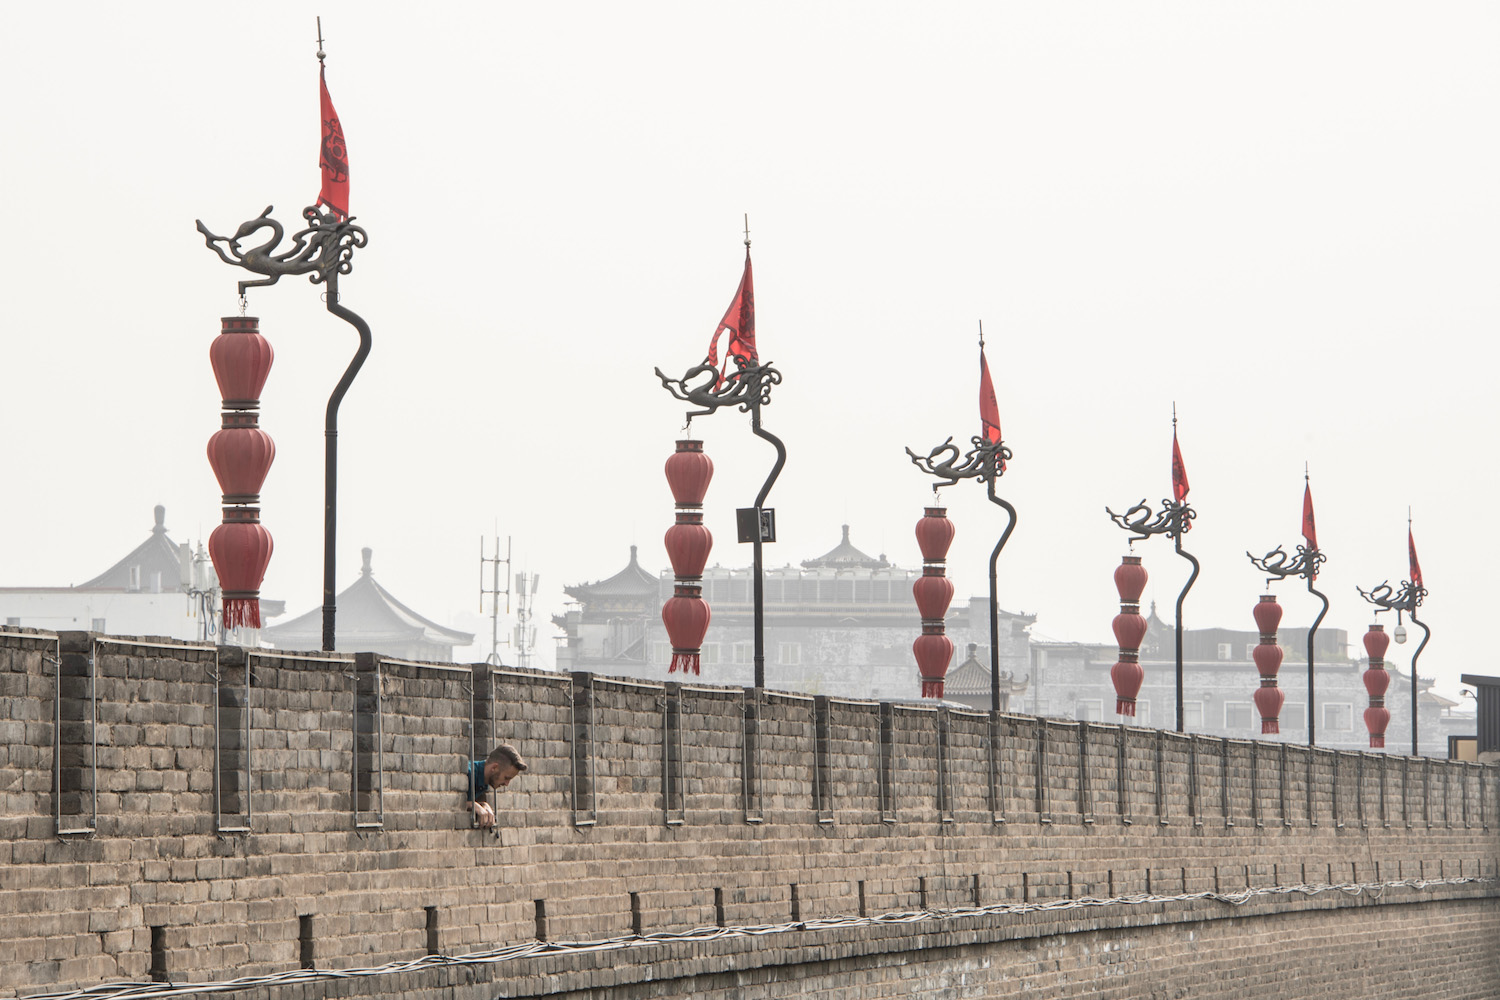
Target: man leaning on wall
{"x": 497, "y": 770}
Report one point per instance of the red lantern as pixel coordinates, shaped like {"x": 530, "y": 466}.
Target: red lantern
{"x": 241, "y": 551}
{"x": 934, "y": 651}
{"x": 241, "y": 359}
{"x": 240, "y": 454}
{"x": 685, "y": 614}
{"x": 935, "y": 534}
{"x": 1130, "y": 631}
{"x": 933, "y": 592}
{"x": 1377, "y": 680}
{"x": 689, "y": 472}
{"x": 1267, "y": 656}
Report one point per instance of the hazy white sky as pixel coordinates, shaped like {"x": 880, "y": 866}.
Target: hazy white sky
{"x": 1281, "y": 216}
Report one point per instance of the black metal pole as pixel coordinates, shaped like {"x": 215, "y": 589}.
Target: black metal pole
{"x": 331, "y": 453}
{"x": 1426, "y": 634}
{"x": 1311, "y": 635}
{"x": 995, "y": 597}
{"x": 1180, "y": 598}
{"x": 760, "y": 500}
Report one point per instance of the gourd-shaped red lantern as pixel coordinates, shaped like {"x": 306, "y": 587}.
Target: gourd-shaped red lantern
{"x": 1377, "y": 680}
{"x": 241, "y": 455}
{"x": 1130, "y": 632}
{"x": 933, "y": 592}
{"x": 1267, "y": 655}
{"x": 685, "y": 614}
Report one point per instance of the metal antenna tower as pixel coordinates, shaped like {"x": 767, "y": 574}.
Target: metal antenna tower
{"x": 494, "y": 592}
{"x": 525, "y": 635}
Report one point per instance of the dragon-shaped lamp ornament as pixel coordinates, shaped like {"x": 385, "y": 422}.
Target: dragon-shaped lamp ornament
{"x": 1174, "y": 520}
{"x": 743, "y": 382}
{"x": 985, "y": 461}
{"x": 1278, "y": 565}
{"x": 1404, "y": 599}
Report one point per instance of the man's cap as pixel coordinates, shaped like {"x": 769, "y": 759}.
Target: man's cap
{"x": 506, "y": 754}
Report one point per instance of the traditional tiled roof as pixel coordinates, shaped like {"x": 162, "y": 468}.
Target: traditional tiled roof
{"x": 137, "y": 571}
{"x": 845, "y": 556}
{"x": 367, "y": 615}
{"x": 632, "y": 581}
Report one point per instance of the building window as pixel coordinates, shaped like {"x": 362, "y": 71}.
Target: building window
{"x": 789, "y": 653}
{"x": 1142, "y": 712}
{"x": 1090, "y": 710}
{"x": 96, "y": 625}
{"x": 744, "y": 652}
{"x": 1250, "y": 650}
{"x": 1192, "y": 714}
{"x": 1239, "y": 716}
{"x": 710, "y": 655}
{"x": 661, "y": 653}
{"x": 1338, "y": 717}
{"x": 1294, "y": 715}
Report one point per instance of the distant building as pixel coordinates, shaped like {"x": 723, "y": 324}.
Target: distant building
{"x": 369, "y": 619}
{"x": 1071, "y": 681}
{"x": 840, "y": 624}
{"x": 160, "y": 588}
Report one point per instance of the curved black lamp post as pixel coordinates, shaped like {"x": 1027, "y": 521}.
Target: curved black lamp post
{"x": 1174, "y": 520}
{"x": 323, "y": 251}
{"x": 1408, "y": 598}
{"x": 984, "y": 461}
{"x": 1277, "y": 565}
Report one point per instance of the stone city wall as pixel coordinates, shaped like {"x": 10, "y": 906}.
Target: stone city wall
{"x": 184, "y": 813}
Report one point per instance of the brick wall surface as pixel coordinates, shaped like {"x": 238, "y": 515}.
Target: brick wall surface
{"x": 349, "y": 849}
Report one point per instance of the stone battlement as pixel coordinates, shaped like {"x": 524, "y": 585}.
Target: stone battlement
{"x": 193, "y": 812}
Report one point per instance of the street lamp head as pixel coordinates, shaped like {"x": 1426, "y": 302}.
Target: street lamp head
{"x": 1399, "y": 634}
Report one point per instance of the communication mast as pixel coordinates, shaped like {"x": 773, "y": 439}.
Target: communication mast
{"x": 525, "y": 635}
{"x": 494, "y": 592}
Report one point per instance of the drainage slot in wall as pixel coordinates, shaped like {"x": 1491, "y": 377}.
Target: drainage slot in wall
{"x": 159, "y": 955}
{"x": 432, "y": 929}
{"x": 305, "y": 941}
{"x": 541, "y": 920}
{"x": 719, "y": 908}
{"x": 636, "y": 924}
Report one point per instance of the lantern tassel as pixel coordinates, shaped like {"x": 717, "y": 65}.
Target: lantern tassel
{"x": 1125, "y": 706}
{"x": 932, "y": 689}
{"x": 1270, "y": 726}
{"x": 1377, "y": 742}
{"x": 686, "y": 662}
{"x": 241, "y": 611}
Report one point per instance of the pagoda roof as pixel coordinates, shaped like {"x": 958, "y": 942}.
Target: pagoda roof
{"x": 367, "y": 614}
{"x": 632, "y": 581}
{"x": 973, "y": 678}
{"x": 845, "y": 556}
{"x": 157, "y": 554}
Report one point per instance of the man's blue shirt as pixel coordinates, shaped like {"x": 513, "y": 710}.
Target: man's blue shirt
{"x": 478, "y": 787}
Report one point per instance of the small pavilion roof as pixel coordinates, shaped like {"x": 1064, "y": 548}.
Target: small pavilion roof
{"x": 370, "y": 612}
{"x": 845, "y": 556}
{"x": 157, "y": 554}
{"x": 632, "y": 581}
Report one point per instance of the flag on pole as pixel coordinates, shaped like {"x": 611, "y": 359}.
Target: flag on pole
{"x": 333, "y": 155}
{"x": 1309, "y": 526}
{"x": 739, "y": 320}
{"x": 1179, "y": 471}
{"x": 1416, "y": 567}
{"x": 989, "y": 410}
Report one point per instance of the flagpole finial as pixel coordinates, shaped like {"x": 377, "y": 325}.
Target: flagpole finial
{"x": 1174, "y": 416}
{"x": 321, "y": 53}
{"x": 981, "y": 335}
{"x": 747, "y": 232}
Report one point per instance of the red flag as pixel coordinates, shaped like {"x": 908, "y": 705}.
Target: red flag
{"x": 1179, "y": 471}
{"x": 1416, "y": 567}
{"x": 739, "y": 320}
{"x": 989, "y": 410}
{"x": 333, "y": 156}
{"x": 1309, "y": 527}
